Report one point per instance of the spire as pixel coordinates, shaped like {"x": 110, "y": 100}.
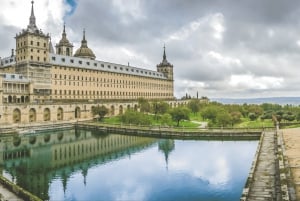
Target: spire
{"x": 32, "y": 26}
{"x": 164, "y": 56}
{"x": 64, "y": 35}
{"x": 164, "y": 61}
{"x": 83, "y": 42}
{"x": 51, "y": 49}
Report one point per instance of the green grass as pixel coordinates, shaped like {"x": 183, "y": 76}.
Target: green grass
{"x": 247, "y": 123}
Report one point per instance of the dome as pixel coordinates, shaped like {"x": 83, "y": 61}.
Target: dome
{"x": 84, "y": 51}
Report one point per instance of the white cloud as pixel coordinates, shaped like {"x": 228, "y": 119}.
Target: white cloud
{"x": 243, "y": 82}
{"x": 223, "y": 60}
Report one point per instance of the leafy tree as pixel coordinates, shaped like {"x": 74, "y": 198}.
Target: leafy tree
{"x": 235, "y": 117}
{"x": 298, "y": 116}
{"x": 159, "y": 108}
{"x": 223, "y": 118}
{"x": 134, "y": 117}
{"x": 252, "y": 116}
{"x": 194, "y": 105}
{"x": 166, "y": 119}
{"x": 144, "y": 105}
{"x": 180, "y": 113}
{"x": 101, "y": 111}
{"x": 210, "y": 112}
{"x": 289, "y": 117}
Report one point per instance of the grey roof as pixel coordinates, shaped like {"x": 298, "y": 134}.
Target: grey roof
{"x": 7, "y": 61}
{"x": 76, "y": 62}
{"x": 9, "y": 77}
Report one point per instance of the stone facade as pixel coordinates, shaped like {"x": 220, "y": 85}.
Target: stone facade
{"x": 38, "y": 84}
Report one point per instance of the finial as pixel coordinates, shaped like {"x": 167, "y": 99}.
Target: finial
{"x": 64, "y": 27}
{"x": 83, "y": 34}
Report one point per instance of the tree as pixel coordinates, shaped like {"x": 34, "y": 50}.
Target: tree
{"x": 159, "y": 108}
{"x": 252, "y": 116}
{"x": 134, "y": 117}
{"x": 235, "y": 117}
{"x": 194, "y": 105}
{"x": 166, "y": 119}
{"x": 101, "y": 111}
{"x": 210, "y": 113}
{"x": 180, "y": 113}
{"x": 144, "y": 105}
{"x": 223, "y": 118}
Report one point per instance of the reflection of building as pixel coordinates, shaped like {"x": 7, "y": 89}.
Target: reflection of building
{"x": 33, "y": 161}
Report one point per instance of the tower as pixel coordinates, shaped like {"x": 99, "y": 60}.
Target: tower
{"x": 64, "y": 47}
{"x": 32, "y": 58}
{"x": 165, "y": 67}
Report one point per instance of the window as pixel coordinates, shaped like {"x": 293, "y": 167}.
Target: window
{"x": 88, "y": 63}
{"x": 38, "y": 43}
{"x": 53, "y": 58}
{"x": 102, "y": 65}
{"x": 72, "y": 61}
{"x": 80, "y": 62}
{"x": 63, "y": 59}
{"x": 95, "y": 64}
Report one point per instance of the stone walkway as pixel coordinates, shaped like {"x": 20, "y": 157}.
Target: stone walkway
{"x": 263, "y": 185}
{"x": 291, "y": 138}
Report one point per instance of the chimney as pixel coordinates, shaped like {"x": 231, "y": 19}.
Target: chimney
{"x": 12, "y": 52}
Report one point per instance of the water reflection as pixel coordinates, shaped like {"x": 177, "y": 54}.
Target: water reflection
{"x": 84, "y": 165}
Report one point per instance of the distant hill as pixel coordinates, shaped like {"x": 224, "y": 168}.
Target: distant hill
{"x": 275, "y": 100}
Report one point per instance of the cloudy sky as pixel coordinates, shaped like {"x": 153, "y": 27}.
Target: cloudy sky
{"x": 219, "y": 48}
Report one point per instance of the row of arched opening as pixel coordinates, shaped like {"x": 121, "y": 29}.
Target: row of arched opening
{"x": 17, "y": 99}
{"x": 60, "y": 113}
{"x": 32, "y": 115}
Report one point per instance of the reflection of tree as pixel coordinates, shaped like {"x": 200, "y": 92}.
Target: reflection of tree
{"x": 166, "y": 146}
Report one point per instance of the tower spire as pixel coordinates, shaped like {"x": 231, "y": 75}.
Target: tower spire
{"x": 32, "y": 25}
{"x": 164, "y": 56}
{"x": 64, "y": 35}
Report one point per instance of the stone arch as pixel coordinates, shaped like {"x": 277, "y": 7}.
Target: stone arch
{"x": 47, "y": 114}
{"x": 47, "y": 138}
{"x": 60, "y": 136}
{"x": 32, "y": 115}
{"x": 16, "y": 141}
{"x": 32, "y": 139}
{"x": 16, "y": 115}
{"x": 135, "y": 107}
{"x": 128, "y": 107}
{"x": 120, "y": 109}
{"x": 60, "y": 114}
{"x": 112, "y": 110}
{"x": 77, "y": 112}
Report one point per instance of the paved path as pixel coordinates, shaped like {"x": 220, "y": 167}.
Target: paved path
{"x": 5, "y": 194}
{"x": 264, "y": 180}
{"x": 291, "y": 138}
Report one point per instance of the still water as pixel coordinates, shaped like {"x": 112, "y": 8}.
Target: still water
{"x": 85, "y": 165}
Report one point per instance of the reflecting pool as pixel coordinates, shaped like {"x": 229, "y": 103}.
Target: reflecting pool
{"x": 86, "y": 165}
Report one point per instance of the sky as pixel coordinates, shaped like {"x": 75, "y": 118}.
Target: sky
{"x": 219, "y": 48}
